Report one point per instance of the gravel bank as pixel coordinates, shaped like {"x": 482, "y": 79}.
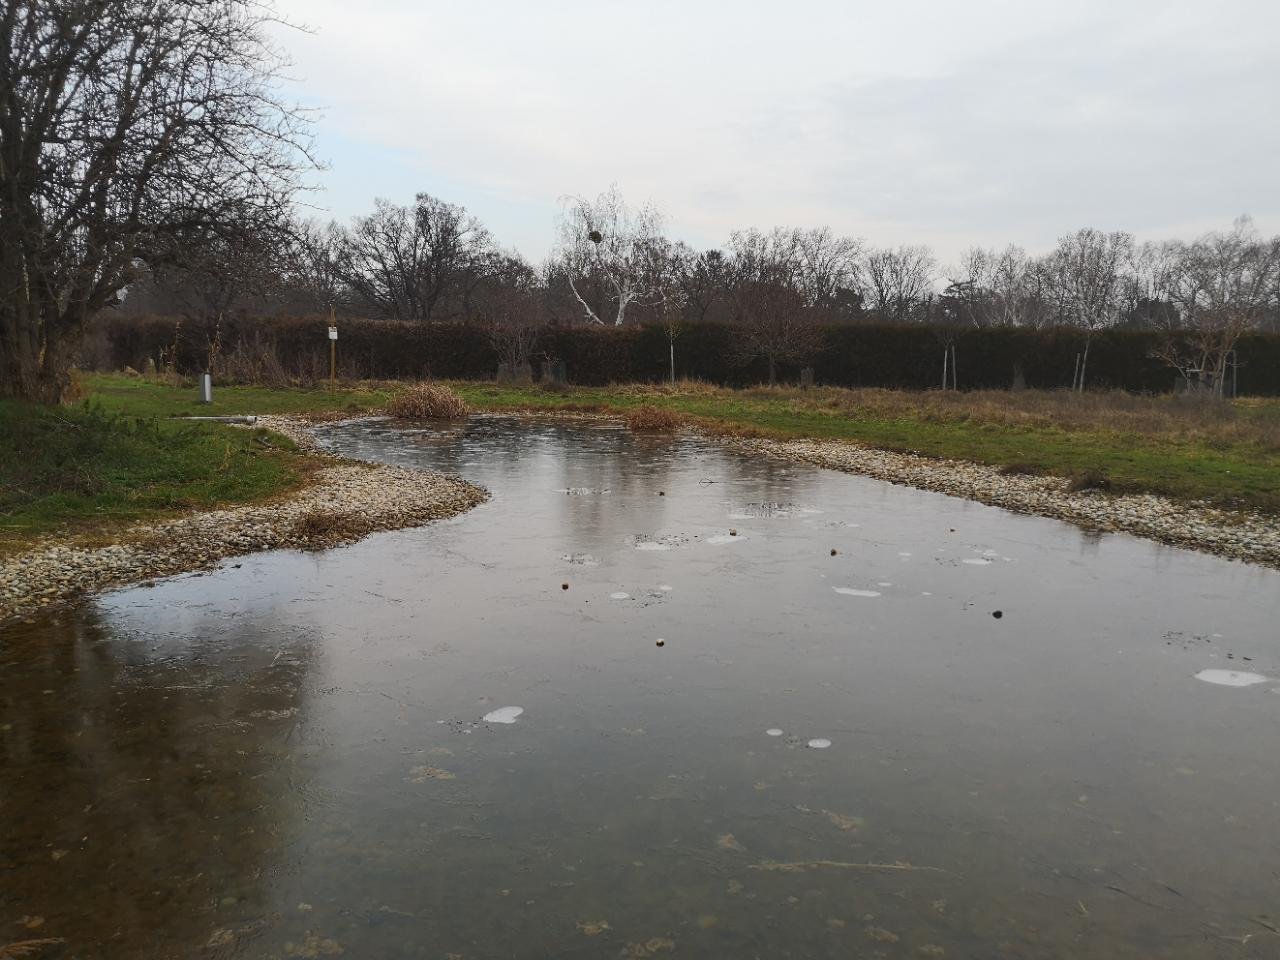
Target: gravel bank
{"x": 1243, "y": 536}
{"x": 344, "y": 502}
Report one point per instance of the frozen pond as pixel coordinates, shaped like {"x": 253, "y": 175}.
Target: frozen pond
{"x": 843, "y": 755}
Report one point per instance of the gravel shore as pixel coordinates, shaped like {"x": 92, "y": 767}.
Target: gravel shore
{"x": 344, "y": 502}
{"x": 1240, "y": 535}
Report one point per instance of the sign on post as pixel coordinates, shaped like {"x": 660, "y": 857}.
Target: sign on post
{"x": 333, "y": 333}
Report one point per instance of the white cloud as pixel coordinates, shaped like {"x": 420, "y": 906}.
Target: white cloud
{"x": 928, "y": 121}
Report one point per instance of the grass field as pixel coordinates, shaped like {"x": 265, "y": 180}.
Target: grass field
{"x": 88, "y": 470}
{"x": 121, "y": 459}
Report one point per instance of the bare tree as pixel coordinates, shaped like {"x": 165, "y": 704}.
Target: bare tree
{"x": 828, "y": 269}
{"x": 613, "y": 242}
{"x": 314, "y": 271}
{"x": 510, "y": 306}
{"x": 1222, "y": 286}
{"x": 234, "y": 270}
{"x": 415, "y": 263}
{"x": 705, "y": 279}
{"x": 129, "y": 132}
{"x": 778, "y": 322}
{"x": 898, "y": 281}
{"x": 671, "y": 272}
{"x": 998, "y": 288}
{"x": 1085, "y": 280}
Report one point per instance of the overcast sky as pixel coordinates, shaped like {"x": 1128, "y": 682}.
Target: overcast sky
{"x": 926, "y": 121}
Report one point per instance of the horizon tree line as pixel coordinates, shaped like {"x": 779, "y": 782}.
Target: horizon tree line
{"x": 614, "y": 265}
{"x": 147, "y": 164}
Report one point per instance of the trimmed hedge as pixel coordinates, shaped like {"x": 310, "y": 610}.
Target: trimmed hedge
{"x": 904, "y": 357}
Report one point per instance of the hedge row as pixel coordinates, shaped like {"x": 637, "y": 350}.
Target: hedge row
{"x": 907, "y": 357}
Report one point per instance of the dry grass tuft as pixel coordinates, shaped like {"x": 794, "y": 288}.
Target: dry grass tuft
{"x": 681, "y": 388}
{"x": 1020, "y": 470}
{"x": 1088, "y": 480}
{"x": 427, "y": 401}
{"x": 318, "y": 529}
{"x": 649, "y": 417}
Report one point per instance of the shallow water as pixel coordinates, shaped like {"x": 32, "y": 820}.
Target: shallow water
{"x": 287, "y": 757}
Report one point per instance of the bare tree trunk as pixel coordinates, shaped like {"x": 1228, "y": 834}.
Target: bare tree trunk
{"x": 31, "y": 366}
{"x": 946, "y": 353}
{"x": 672, "y": 344}
{"x": 1084, "y": 363}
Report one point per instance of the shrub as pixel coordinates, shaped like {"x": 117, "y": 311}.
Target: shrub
{"x": 427, "y": 401}
{"x": 649, "y": 417}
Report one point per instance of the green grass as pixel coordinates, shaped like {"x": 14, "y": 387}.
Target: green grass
{"x": 1224, "y": 453}
{"x": 148, "y": 398}
{"x": 88, "y": 469}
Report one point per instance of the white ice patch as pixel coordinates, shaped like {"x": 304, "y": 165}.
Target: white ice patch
{"x": 773, "y": 732}
{"x": 884, "y": 584}
{"x": 851, "y": 592}
{"x": 503, "y": 715}
{"x": 977, "y": 562}
{"x": 904, "y": 553}
{"x": 619, "y": 596}
{"x": 819, "y": 743}
{"x": 1231, "y": 678}
{"x": 723, "y": 538}
{"x": 665, "y": 587}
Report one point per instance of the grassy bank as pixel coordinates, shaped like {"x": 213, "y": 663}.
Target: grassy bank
{"x": 89, "y": 469}
{"x": 1226, "y": 453}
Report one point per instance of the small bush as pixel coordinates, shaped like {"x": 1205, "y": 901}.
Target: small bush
{"x": 649, "y": 417}
{"x": 427, "y": 401}
{"x": 1088, "y": 480}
